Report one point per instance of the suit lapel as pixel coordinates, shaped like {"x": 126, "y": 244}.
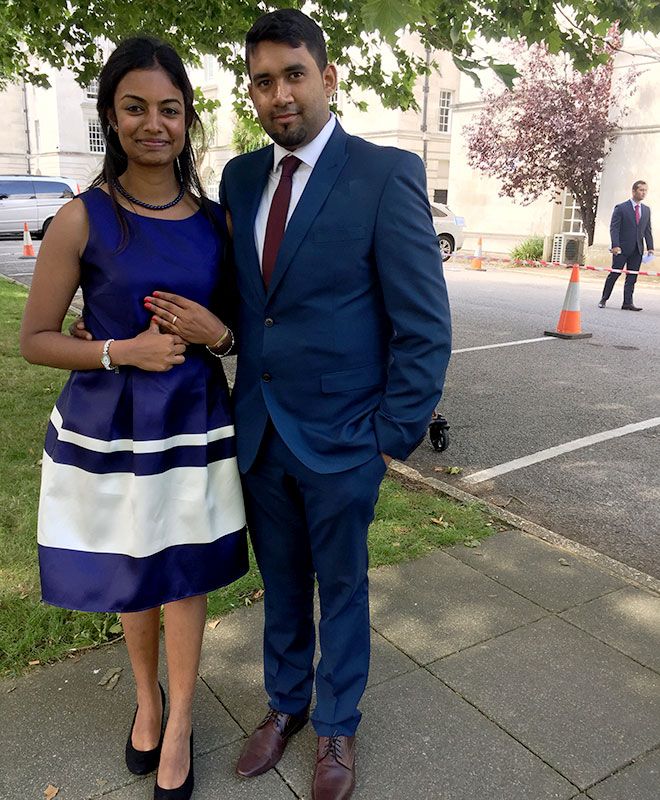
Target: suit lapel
{"x": 252, "y": 190}
{"x": 323, "y": 178}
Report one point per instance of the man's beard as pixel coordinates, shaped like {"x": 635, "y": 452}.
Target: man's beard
{"x": 289, "y": 137}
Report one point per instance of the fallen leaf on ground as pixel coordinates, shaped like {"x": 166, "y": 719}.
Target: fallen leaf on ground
{"x": 213, "y": 624}
{"x": 564, "y": 563}
{"x": 257, "y": 594}
{"x": 472, "y": 543}
{"x": 113, "y": 681}
{"x": 51, "y": 791}
{"x": 439, "y": 521}
{"x": 34, "y": 663}
{"x": 453, "y": 470}
{"x": 11, "y": 689}
{"x": 111, "y": 676}
{"x": 116, "y": 628}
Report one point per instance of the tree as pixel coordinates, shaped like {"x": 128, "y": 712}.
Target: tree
{"x": 553, "y": 129}
{"x": 247, "y": 135}
{"x": 65, "y": 34}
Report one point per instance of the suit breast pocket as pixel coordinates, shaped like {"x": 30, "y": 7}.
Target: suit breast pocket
{"x": 337, "y": 233}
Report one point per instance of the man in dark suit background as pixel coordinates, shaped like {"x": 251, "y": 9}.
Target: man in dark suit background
{"x": 629, "y": 228}
{"x": 343, "y": 338}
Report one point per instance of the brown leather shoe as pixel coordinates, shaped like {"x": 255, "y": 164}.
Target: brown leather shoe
{"x": 266, "y": 744}
{"x": 334, "y": 776}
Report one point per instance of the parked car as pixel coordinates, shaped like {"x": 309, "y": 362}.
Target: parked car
{"x": 34, "y": 199}
{"x": 449, "y": 228}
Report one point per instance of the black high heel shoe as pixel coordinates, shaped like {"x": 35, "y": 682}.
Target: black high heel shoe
{"x": 182, "y": 792}
{"x": 142, "y": 762}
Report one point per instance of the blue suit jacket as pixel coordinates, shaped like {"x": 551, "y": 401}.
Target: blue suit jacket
{"x": 626, "y": 233}
{"x": 347, "y": 351}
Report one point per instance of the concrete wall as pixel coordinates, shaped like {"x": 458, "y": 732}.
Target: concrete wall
{"x": 13, "y": 146}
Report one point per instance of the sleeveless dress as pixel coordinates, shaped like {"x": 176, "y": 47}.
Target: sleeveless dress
{"x": 141, "y": 499}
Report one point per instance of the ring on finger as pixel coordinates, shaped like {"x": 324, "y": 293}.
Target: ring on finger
{"x": 174, "y": 319}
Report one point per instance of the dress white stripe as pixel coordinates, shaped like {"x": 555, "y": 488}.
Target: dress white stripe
{"x": 138, "y": 515}
{"x": 140, "y": 446}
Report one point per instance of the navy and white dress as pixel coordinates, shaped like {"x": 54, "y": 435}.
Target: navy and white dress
{"x": 141, "y": 499}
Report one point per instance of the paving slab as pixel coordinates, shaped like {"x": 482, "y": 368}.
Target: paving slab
{"x": 420, "y": 741}
{"x": 214, "y": 779}
{"x": 628, "y": 620}
{"x": 547, "y": 575}
{"x": 59, "y": 726}
{"x": 639, "y": 781}
{"x": 231, "y": 664}
{"x": 583, "y": 707}
{"x": 437, "y": 605}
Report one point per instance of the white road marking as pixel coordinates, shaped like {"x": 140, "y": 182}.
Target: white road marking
{"x": 551, "y": 452}
{"x": 503, "y": 344}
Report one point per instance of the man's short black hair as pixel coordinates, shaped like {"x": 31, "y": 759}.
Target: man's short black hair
{"x": 637, "y": 184}
{"x": 288, "y": 26}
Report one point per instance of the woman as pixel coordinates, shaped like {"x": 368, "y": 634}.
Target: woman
{"x": 140, "y": 503}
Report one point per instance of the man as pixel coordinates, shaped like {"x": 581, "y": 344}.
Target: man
{"x": 629, "y": 228}
{"x": 343, "y": 338}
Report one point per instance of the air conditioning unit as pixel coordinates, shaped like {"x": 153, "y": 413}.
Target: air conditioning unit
{"x": 568, "y": 248}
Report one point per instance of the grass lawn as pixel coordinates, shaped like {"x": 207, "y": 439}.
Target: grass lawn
{"x": 408, "y": 523}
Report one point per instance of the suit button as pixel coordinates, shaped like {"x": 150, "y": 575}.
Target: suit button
{"x": 268, "y": 322}
{"x": 266, "y": 377}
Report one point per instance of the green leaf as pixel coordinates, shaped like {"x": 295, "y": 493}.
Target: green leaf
{"x": 506, "y": 72}
{"x": 390, "y": 16}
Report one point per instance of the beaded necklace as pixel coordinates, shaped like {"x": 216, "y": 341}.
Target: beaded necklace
{"x": 150, "y": 206}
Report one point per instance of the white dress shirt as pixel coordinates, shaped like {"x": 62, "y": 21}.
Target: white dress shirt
{"x": 309, "y": 154}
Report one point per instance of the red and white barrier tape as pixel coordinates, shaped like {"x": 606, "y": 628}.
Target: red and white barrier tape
{"x": 540, "y": 263}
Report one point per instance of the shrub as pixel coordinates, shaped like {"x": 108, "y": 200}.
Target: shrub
{"x": 529, "y": 250}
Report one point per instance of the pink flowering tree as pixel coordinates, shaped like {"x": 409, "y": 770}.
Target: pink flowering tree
{"x": 552, "y": 130}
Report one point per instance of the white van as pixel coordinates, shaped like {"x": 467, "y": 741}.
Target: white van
{"x": 34, "y": 199}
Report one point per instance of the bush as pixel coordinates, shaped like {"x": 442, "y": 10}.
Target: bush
{"x": 529, "y": 250}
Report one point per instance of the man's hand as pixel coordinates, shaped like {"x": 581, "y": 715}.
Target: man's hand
{"x": 386, "y": 459}
{"x": 615, "y": 251}
{"x": 78, "y": 331}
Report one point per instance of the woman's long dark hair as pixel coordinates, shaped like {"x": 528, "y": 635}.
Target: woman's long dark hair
{"x": 145, "y": 52}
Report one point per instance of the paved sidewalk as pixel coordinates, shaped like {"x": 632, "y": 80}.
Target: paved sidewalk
{"x": 512, "y": 671}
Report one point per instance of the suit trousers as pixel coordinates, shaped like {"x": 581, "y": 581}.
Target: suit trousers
{"x": 303, "y": 525}
{"x": 631, "y": 262}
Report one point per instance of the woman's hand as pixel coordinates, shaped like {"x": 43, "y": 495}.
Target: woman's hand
{"x": 190, "y": 320}
{"x": 150, "y": 350}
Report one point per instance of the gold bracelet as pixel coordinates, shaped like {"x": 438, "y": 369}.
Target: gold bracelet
{"x": 221, "y": 340}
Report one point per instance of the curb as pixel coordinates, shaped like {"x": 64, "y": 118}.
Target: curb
{"x": 606, "y": 563}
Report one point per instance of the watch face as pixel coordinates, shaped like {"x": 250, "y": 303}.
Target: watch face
{"x": 105, "y": 360}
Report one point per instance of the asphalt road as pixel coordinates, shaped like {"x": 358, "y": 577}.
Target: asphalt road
{"x": 508, "y": 402}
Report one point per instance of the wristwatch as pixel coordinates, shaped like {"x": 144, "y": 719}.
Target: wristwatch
{"x": 105, "y": 357}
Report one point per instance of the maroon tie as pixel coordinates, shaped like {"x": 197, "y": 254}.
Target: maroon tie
{"x": 637, "y": 213}
{"x": 276, "y": 224}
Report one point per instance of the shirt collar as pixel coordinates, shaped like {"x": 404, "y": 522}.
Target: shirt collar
{"x": 635, "y": 203}
{"x": 309, "y": 153}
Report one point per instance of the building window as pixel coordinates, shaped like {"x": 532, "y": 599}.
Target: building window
{"x": 95, "y": 136}
{"x": 92, "y": 89}
{"x": 444, "y": 112}
{"x": 572, "y": 218}
{"x": 210, "y": 66}
{"x": 440, "y": 196}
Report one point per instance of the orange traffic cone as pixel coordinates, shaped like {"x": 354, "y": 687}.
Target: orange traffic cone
{"x": 569, "y": 320}
{"x": 28, "y": 248}
{"x": 477, "y": 261}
